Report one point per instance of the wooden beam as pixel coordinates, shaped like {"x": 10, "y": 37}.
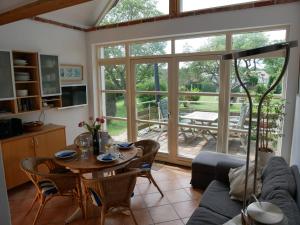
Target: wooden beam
{"x": 36, "y": 8}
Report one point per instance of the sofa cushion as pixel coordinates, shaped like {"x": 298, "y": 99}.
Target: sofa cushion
{"x": 216, "y": 198}
{"x": 286, "y": 203}
{"x": 203, "y": 216}
{"x": 277, "y": 175}
{"x": 296, "y": 174}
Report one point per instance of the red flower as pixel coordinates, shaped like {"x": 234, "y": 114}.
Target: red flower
{"x": 98, "y": 119}
{"x": 101, "y": 120}
{"x": 81, "y": 124}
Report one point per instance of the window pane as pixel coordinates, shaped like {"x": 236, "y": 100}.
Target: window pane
{"x": 190, "y": 5}
{"x": 117, "y": 129}
{"x": 115, "y": 51}
{"x": 129, "y": 10}
{"x": 258, "y": 74}
{"x": 199, "y": 76}
{"x": 115, "y": 105}
{"x": 150, "y": 48}
{"x": 152, "y": 107}
{"x": 257, "y": 39}
{"x": 201, "y": 44}
{"x": 151, "y": 77}
{"x": 113, "y": 77}
{"x": 155, "y": 132}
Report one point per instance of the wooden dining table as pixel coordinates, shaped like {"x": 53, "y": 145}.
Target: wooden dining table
{"x": 90, "y": 164}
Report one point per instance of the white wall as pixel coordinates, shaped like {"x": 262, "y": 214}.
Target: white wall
{"x": 69, "y": 45}
{"x": 286, "y": 14}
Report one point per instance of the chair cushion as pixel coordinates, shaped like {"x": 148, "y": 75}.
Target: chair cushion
{"x": 146, "y": 166}
{"x": 47, "y": 187}
{"x": 286, "y": 203}
{"x": 203, "y": 216}
{"x": 277, "y": 175}
{"x": 216, "y": 198}
{"x": 95, "y": 197}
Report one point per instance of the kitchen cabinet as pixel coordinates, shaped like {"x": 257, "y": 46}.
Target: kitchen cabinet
{"x": 43, "y": 143}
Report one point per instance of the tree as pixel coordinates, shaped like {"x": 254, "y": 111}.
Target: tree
{"x": 128, "y": 10}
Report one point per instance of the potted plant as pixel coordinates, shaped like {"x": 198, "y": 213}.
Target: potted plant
{"x": 272, "y": 114}
{"x": 93, "y": 126}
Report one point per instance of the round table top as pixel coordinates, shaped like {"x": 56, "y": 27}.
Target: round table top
{"x": 90, "y": 162}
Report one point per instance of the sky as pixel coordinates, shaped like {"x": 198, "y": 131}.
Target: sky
{"x": 188, "y": 5}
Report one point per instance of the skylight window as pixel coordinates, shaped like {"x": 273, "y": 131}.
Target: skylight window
{"x": 129, "y": 10}
{"x": 190, "y": 5}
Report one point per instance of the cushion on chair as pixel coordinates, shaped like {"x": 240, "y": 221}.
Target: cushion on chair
{"x": 95, "y": 197}
{"x": 146, "y": 166}
{"x": 47, "y": 187}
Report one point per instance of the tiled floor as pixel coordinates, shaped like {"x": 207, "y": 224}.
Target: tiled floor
{"x": 149, "y": 208}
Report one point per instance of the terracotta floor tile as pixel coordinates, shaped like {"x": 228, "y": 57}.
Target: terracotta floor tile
{"x": 177, "y": 196}
{"x": 137, "y": 202}
{"x": 143, "y": 217}
{"x": 169, "y": 185}
{"x": 147, "y": 188}
{"x": 194, "y": 193}
{"x": 163, "y": 213}
{"x": 185, "y": 220}
{"x": 185, "y": 209}
{"x": 155, "y": 199}
{"x": 174, "y": 222}
{"x": 185, "y": 182}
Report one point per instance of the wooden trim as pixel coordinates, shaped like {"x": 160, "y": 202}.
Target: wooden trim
{"x": 35, "y": 8}
{"x": 43, "y": 20}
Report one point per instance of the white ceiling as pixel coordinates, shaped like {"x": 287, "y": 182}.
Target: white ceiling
{"x": 84, "y": 15}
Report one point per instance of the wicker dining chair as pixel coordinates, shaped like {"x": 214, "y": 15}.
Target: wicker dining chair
{"x": 149, "y": 150}
{"x": 112, "y": 191}
{"x": 57, "y": 181}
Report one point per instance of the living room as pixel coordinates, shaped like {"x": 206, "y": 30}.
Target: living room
{"x": 161, "y": 78}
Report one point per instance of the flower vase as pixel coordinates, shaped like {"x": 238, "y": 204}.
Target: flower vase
{"x": 96, "y": 143}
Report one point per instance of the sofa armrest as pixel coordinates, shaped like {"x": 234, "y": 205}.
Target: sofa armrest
{"x": 222, "y": 170}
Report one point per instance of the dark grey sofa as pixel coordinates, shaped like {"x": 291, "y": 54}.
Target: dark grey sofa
{"x": 281, "y": 186}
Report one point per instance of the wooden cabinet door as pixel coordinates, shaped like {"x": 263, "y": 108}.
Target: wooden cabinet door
{"x": 13, "y": 152}
{"x": 48, "y": 143}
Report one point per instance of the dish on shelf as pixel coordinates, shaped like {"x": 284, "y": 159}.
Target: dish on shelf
{"x": 33, "y": 126}
{"x": 20, "y": 62}
{"x": 22, "y": 76}
{"x": 22, "y": 93}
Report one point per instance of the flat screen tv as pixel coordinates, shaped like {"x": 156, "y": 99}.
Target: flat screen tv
{"x": 74, "y": 95}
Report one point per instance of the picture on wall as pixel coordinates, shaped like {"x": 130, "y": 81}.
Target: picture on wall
{"x": 71, "y": 73}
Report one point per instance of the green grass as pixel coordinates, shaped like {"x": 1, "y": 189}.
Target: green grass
{"x": 117, "y": 127}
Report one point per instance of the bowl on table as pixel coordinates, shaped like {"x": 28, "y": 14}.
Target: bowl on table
{"x": 33, "y": 126}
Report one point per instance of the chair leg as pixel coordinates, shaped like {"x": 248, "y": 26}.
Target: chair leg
{"x": 133, "y": 217}
{"x": 149, "y": 175}
{"x": 42, "y": 205}
{"x": 32, "y": 204}
{"x": 103, "y": 211}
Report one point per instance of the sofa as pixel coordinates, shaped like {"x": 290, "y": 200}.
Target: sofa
{"x": 280, "y": 186}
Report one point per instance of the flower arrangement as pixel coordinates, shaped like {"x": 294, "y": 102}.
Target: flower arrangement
{"x": 93, "y": 126}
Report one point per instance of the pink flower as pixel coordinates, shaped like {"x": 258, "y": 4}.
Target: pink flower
{"x": 101, "y": 120}
{"x": 81, "y": 124}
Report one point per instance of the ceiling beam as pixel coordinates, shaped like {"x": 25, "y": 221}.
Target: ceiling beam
{"x": 36, "y": 8}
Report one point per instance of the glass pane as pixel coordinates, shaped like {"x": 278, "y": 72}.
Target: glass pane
{"x": 151, "y": 77}
{"x": 117, "y": 129}
{"x": 190, "y": 5}
{"x": 115, "y": 105}
{"x": 201, "y": 44}
{"x": 155, "y": 132}
{"x": 128, "y": 10}
{"x": 115, "y": 51}
{"x": 113, "y": 77}
{"x": 152, "y": 107}
{"x": 50, "y": 74}
{"x": 6, "y": 82}
{"x": 258, "y": 74}
{"x": 191, "y": 141}
{"x": 199, "y": 76}
{"x": 257, "y": 39}
{"x": 150, "y": 48}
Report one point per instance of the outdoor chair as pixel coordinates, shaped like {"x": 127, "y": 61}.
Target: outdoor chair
{"x": 239, "y": 123}
{"x": 113, "y": 191}
{"x": 149, "y": 150}
{"x": 56, "y": 181}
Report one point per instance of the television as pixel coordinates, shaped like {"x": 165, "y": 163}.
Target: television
{"x": 74, "y": 95}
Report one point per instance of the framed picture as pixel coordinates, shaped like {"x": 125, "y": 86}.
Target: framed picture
{"x": 71, "y": 73}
